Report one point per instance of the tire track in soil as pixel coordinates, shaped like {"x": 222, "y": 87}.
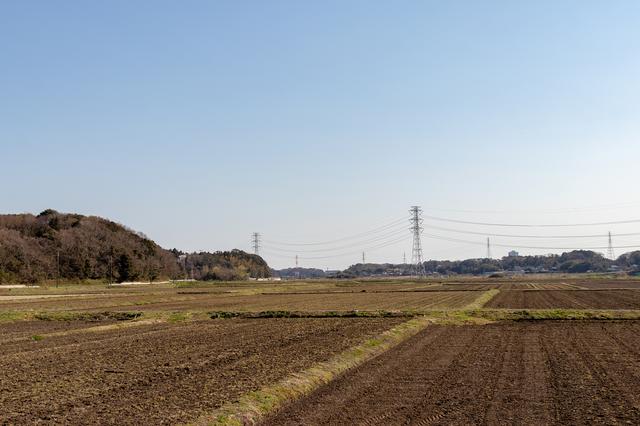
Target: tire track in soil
{"x": 387, "y": 410}
{"x": 387, "y": 371}
{"x": 506, "y": 373}
{"x": 582, "y": 389}
{"x": 613, "y": 380}
{"x": 445, "y": 405}
{"x": 413, "y": 396}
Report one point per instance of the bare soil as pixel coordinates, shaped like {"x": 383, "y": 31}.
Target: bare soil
{"x": 570, "y": 299}
{"x": 503, "y": 373}
{"x": 162, "y": 373}
{"x": 193, "y": 300}
{"x": 25, "y": 329}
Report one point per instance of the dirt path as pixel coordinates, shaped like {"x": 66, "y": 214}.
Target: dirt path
{"x": 510, "y": 373}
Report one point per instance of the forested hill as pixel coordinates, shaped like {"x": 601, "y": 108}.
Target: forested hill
{"x": 90, "y": 247}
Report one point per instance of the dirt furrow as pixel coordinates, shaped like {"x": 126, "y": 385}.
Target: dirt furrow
{"x": 503, "y": 373}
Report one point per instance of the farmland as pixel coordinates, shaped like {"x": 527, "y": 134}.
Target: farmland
{"x": 195, "y": 300}
{"x": 524, "y": 373}
{"x": 159, "y": 372}
{"x": 170, "y": 353}
{"x": 580, "y": 299}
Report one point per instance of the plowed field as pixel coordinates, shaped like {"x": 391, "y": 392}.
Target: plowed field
{"x": 570, "y": 299}
{"x": 194, "y": 300}
{"x": 160, "y": 373}
{"x": 510, "y": 373}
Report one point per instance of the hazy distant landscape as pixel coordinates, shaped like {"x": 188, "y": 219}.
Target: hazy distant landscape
{"x": 75, "y": 248}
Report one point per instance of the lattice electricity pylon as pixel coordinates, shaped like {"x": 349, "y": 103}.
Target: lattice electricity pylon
{"x": 415, "y": 219}
{"x": 255, "y": 240}
{"x": 610, "y": 253}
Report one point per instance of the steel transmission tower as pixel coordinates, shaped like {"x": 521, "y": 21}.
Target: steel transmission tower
{"x": 488, "y": 249}
{"x": 415, "y": 220}
{"x": 610, "y": 254}
{"x": 255, "y": 240}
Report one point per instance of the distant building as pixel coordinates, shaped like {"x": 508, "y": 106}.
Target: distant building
{"x": 513, "y": 253}
{"x": 332, "y": 273}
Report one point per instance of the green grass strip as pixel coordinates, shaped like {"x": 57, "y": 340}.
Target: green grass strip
{"x": 11, "y": 316}
{"x": 254, "y": 406}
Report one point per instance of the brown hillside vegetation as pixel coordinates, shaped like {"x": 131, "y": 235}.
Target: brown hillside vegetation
{"x": 91, "y": 247}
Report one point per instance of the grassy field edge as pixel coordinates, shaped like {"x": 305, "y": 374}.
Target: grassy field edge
{"x": 254, "y": 406}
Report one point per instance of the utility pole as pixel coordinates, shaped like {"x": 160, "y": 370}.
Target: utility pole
{"x": 488, "y": 249}
{"x": 58, "y": 268}
{"x": 610, "y": 254}
{"x": 363, "y": 262}
{"x": 296, "y": 260}
{"x": 110, "y": 269}
{"x": 186, "y": 271}
{"x": 255, "y": 239}
{"x": 404, "y": 258}
{"x": 415, "y": 220}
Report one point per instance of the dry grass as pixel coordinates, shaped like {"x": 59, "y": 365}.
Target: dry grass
{"x": 252, "y": 407}
{"x": 483, "y": 299}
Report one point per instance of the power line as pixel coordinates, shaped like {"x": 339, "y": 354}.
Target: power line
{"x": 391, "y": 234}
{"x": 350, "y": 237}
{"x": 561, "y": 210}
{"x": 440, "y": 237}
{"x": 369, "y": 249}
{"x": 460, "y": 231}
{"x": 617, "y": 222}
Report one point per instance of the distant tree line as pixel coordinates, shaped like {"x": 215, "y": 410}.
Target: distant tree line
{"x": 76, "y": 247}
{"x": 299, "y": 273}
{"x": 577, "y": 261}
{"x": 223, "y": 265}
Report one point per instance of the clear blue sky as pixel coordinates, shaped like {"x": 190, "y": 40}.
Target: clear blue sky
{"x": 199, "y": 122}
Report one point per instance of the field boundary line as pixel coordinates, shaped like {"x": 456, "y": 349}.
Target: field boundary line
{"x": 252, "y": 407}
{"x": 21, "y": 315}
{"x": 96, "y": 329}
{"x": 312, "y": 314}
{"x": 483, "y": 299}
{"x": 555, "y": 314}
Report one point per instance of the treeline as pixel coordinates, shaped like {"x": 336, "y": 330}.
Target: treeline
{"x": 577, "y": 261}
{"x": 223, "y": 265}
{"x": 299, "y": 273}
{"x": 76, "y": 247}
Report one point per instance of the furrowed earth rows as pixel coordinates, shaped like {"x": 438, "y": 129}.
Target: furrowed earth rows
{"x": 343, "y": 394}
{"x": 402, "y": 408}
{"x": 144, "y": 386}
{"x": 49, "y": 344}
{"x": 405, "y": 380}
{"x": 479, "y": 371}
{"x": 528, "y": 387}
{"x": 576, "y": 381}
{"x": 629, "y": 341}
{"x": 615, "y": 379}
